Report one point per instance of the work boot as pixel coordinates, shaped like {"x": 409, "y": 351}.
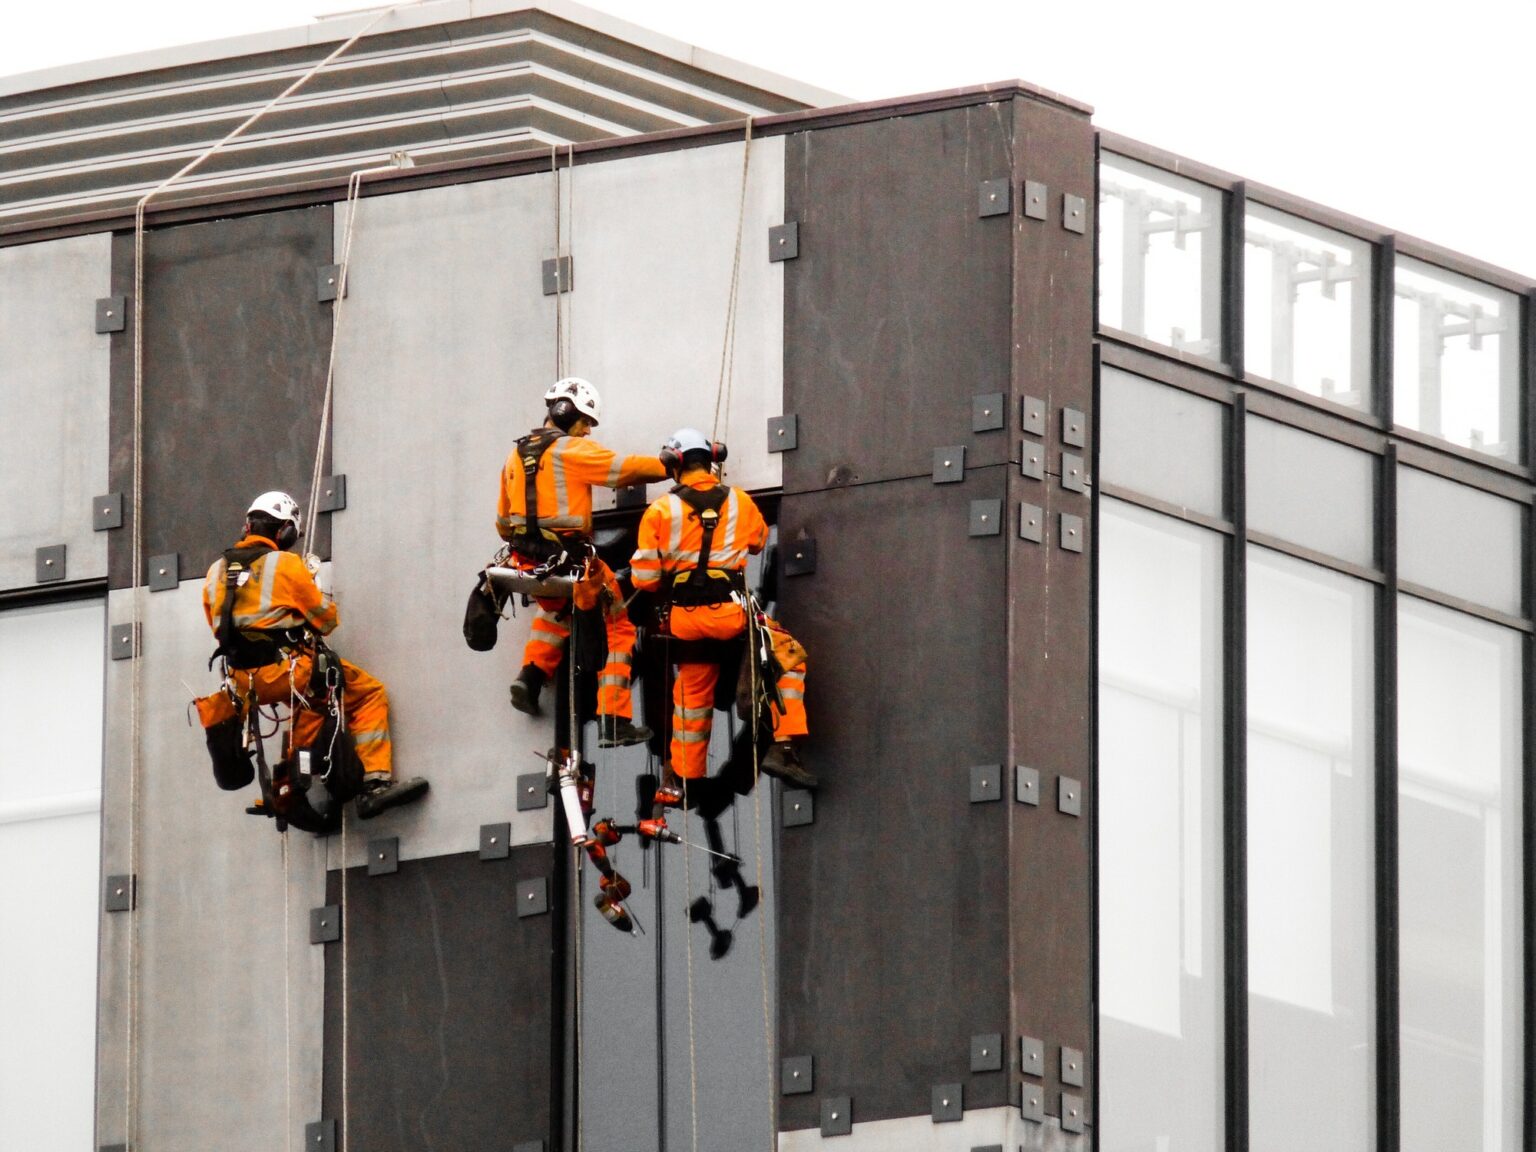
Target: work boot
{"x": 380, "y": 794}
{"x": 525, "y": 689}
{"x": 617, "y": 731}
{"x": 784, "y": 762}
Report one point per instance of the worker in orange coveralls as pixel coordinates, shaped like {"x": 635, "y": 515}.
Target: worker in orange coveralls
{"x": 554, "y": 468}
{"x": 275, "y": 607}
{"x": 703, "y": 587}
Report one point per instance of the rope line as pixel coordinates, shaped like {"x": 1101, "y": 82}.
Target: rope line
{"x": 728, "y": 344}
{"x": 693, "y": 1051}
{"x": 753, "y": 634}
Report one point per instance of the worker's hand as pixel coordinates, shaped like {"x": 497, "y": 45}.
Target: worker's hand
{"x": 312, "y": 562}
{"x": 671, "y": 459}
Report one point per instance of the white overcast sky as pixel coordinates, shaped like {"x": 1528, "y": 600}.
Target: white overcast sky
{"x": 1417, "y": 117}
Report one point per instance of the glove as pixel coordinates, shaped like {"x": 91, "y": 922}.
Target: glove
{"x": 671, "y": 459}
{"x": 312, "y": 562}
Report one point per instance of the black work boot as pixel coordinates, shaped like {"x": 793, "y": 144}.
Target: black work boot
{"x": 525, "y": 689}
{"x": 381, "y": 794}
{"x": 784, "y": 762}
{"x": 620, "y": 732}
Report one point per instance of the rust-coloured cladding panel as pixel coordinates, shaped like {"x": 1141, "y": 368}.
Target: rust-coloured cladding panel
{"x": 896, "y": 311}
{"x": 452, "y": 995}
{"x": 235, "y": 352}
{"x": 1050, "y": 598}
{"x": 893, "y": 914}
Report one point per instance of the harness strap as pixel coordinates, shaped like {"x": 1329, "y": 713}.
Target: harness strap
{"x": 237, "y": 649}
{"x": 531, "y": 450}
{"x": 705, "y": 585}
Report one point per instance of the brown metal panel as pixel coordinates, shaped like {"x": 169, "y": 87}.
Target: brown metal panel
{"x": 235, "y": 352}
{"x": 893, "y": 906}
{"x": 452, "y": 996}
{"x": 896, "y": 310}
{"x": 1050, "y": 664}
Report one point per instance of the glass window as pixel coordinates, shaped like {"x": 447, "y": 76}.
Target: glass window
{"x": 1160, "y": 256}
{"x": 1160, "y": 441}
{"x": 1459, "y": 889}
{"x": 1307, "y": 307}
{"x": 50, "y": 830}
{"x": 1311, "y": 855}
{"x": 1456, "y": 359}
{"x": 1311, "y": 491}
{"x": 1460, "y": 541}
{"x": 1160, "y": 832}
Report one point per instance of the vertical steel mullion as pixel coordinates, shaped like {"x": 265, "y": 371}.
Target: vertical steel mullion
{"x": 1235, "y": 781}
{"x": 1095, "y": 420}
{"x": 1382, "y": 278}
{"x": 1528, "y": 752}
{"x": 1387, "y": 1046}
{"x": 1232, "y": 269}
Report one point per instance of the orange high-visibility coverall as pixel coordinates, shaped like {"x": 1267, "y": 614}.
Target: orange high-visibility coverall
{"x": 566, "y": 476}
{"x": 281, "y": 594}
{"x": 671, "y": 535}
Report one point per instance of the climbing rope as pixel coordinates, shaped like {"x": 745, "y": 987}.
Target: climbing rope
{"x": 287, "y": 1008}
{"x": 693, "y": 1048}
{"x": 753, "y": 639}
{"x": 728, "y": 344}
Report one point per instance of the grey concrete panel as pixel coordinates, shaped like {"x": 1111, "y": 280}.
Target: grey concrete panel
{"x": 980, "y": 1128}
{"x": 446, "y": 348}
{"x": 653, "y": 238}
{"x": 212, "y": 1032}
{"x": 53, "y": 404}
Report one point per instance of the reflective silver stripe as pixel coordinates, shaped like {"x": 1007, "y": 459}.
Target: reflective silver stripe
{"x": 731, "y": 506}
{"x": 792, "y": 693}
{"x": 736, "y": 559}
{"x": 613, "y": 681}
{"x": 268, "y": 579}
{"x": 619, "y": 658}
{"x": 645, "y": 554}
{"x": 693, "y": 713}
{"x": 517, "y": 521}
{"x": 557, "y": 466}
{"x": 616, "y": 471}
{"x": 370, "y": 737}
{"x": 794, "y": 674}
{"x": 265, "y": 620}
{"x": 683, "y": 737}
{"x": 675, "y": 536}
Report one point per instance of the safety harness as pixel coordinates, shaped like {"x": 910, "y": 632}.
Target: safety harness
{"x": 705, "y": 585}
{"x": 528, "y": 539}
{"x": 240, "y": 649}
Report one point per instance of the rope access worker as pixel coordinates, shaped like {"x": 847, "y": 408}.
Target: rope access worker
{"x": 553, "y": 469}
{"x": 692, "y": 550}
{"x": 267, "y": 633}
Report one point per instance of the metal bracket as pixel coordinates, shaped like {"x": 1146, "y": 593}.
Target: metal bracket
{"x": 1032, "y": 1103}
{"x": 1070, "y": 535}
{"x": 532, "y": 897}
{"x": 1031, "y": 523}
{"x": 384, "y": 856}
{"x": 325, "y": 924}
{"x": 1072, "y": 1067}
{"x": 1071, "y": 1112}
{"x": 495, "y": 841}
{"x": 111, "y": 314}
{"x": 1031, "y": 1056}
{"x": 836, "y": 1115}
{"x": 949, "y": 464}
{"x": 799, "y": 557}
{"x": 1036, "y": 200}
{"x": 165, "y": 572}
{"x": 987, "y": 1052}
{"x": 995, "y": 197}
{"x": 799, "y": 807}
{"x": 320, "y": 1136}
{"x": 986, "y": 783}
{"x": 797, "y": 1075}
{"x": 532, "y": 791}
{"x": 1074, "y": 476}
{"x": 986, "y": 518}
{"x": 1074, "y": 213}
{"x": 50, "y": 563}
{"x": 987, "y": 412}
{"x": 122, "y": 894}
{"x": 1032, "y": 415}
{"x": 1032, "y": 460}
{"x": 1074, "y": 428}
{"x": 784, "y": 241}
{"x": 107, "y": 512}
{"x": 124, "y": 641}
{"x": 559, "y": 276}
{"x": 783, "y": 433}
{"x": 327, "y": 282}
{"x": 1069, "y": 796}
{"x": 948, "y": 1103}
{"x": 333, "y": 493}
{"x": 1026, "y": 785}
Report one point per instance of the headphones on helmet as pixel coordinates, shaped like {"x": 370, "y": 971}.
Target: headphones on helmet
{"x": 564, "y": 413}
{"x": 672, "y": 457}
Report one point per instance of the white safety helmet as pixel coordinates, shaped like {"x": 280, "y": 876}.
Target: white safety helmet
{"x": 688, "y": 440}
{"x": 582, "y": 395}
{"x": 278, "y": 505}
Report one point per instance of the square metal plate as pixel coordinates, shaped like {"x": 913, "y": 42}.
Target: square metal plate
{"x": 1069, "y": 796}
{"x": 1032, "y": 1102}
{"x": 799, "y": 557}
{"x": 1031, "y": 1056}
{"x": 1074, "y": 428}
{"x": 333, "y": 492}
{"x": 532, "y": 791}
{"x": 987, "y": 412}
{"x": 532, "y": 897}
{"x": 50, "y": 563}
{"x": 783, "y": 433}
{"x": 799, "y": 807}
{"x": 836, "y": 1115}
{"x": 797, "y": 1075}
{"x": 327, "y": 282}
{"x": 995, "y": 197}
{"x": 320, "y": 1136}
{"x": 111, "y": 314}
{"x": 165, "y": 572}
{"x": 1032, "y": 460}
{"x": 325, "y": 924}
{"x": 1032, "y": 415}
{"x": 949, "y": 464}
{"x": 123, "y": 641}
{"x": 986, "y": 783}
{"x": 384, "y": 856}
{"x": 1071, "y": 533}
{"x": 1036, "y": 200}
{"x": 120, "y": 895}
{"x": 948, "y": 1103}
{"x": 107, "y": 512}
{"x": 1026, "y": 784}
{"x": 987, "y": 1052}
{"x": 784, "y": 241}
{"x": 1074, "y": 213}
{"x": 986, "y": 518}
{"x": 1074, "y": 476}
{"x": 560, "y": 281}
{"x": 1071, "y": 1112}
{"x": 1031, "y": 523}
{"x": 495, "y": 841}
{"x": 1072, "y": 1067}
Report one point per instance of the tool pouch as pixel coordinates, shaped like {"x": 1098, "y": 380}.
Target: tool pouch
{"x": 232, "y": 767}
{"x": 480, "y": 618}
